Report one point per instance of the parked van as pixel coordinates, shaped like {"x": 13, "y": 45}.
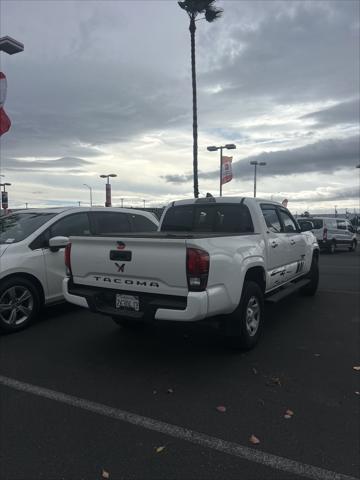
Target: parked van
{"x": 333, "y": 233}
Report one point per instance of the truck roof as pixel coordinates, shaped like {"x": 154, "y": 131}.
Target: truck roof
{"x": 205, "y": 200}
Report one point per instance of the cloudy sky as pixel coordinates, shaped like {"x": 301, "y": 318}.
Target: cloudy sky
{"x": 105, "y": 87}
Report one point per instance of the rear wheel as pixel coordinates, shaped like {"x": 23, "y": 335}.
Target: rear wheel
{"x": 19, "y": 304}
{"x": 245, "y": 323}
{"x": 353, "y": 246}
{"x": 313, "y": 275}
{"x": 332, "y": 247}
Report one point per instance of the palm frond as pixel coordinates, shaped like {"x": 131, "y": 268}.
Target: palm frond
{"x": 212, "y": 14}
{"x": 194, "y": 7}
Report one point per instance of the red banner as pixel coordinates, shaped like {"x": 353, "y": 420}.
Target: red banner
{"x": 226, "y": 170}
{"x": 108, "y": 195}
{"x": 5, "y": 122}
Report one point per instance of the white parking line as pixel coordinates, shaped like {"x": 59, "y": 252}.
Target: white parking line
{"x": 341, "y": 292}
{"x": 230, "y": 448}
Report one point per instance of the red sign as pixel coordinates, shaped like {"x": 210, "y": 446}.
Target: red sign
{"x": 226, "y": 170}
{"x": 4, "y": 200}
{"x": 108, "y": 195}
{"x": 5, "y": 122}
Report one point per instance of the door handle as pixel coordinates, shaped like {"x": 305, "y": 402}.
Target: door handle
{"x": 274, "y": 244}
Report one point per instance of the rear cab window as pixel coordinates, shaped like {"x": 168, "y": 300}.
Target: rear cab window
{"x": 212, "y": 218}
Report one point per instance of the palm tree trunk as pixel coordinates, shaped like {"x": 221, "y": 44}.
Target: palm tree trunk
{"x": 192, "y": 29}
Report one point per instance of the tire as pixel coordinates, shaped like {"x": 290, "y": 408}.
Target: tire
{"x": 311, "y": 288}
{"x": 19, "y": 304}
{"x": 244, "y": 325}
{"x": 128, "y": 324}
{"x": 332, "y": 247}
{"x": 353, "y": 246}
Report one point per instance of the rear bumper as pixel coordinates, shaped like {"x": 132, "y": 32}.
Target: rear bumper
{"x": 324, "y": 244}
{"x": 191, "y": 308}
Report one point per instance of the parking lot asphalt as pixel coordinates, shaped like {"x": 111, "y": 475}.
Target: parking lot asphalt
{"x": 80, "y": 376}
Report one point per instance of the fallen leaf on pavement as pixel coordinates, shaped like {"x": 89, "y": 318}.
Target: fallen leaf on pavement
{"x": 357, "y": 368}
{"x": 105, "y": 474}
{"x": 288, "y": 414}
{"x": 170, "y": 390}
{"x": 254, "y": 440}
{"x": 160, "y": 449}
{"x": 221, "y": 408}
{"x": 274, "y": 381}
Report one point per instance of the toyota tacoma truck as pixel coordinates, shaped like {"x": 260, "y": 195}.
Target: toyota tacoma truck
{"x": 217, "y": 258}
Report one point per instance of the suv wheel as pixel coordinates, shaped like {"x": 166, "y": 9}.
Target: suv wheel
{"x": 19, "y": 304}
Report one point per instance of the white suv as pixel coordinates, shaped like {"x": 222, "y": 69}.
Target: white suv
{"x": 31, "y": 272}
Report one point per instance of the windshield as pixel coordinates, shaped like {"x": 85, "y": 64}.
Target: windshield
{"x": 16, "y": 227}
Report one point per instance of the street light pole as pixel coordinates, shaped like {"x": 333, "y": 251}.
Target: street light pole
{"x": 256, "y": 163}
{"x": 108, "y": 188}
{"x": 86, "y": 185}
{"x": 229, "y": 146}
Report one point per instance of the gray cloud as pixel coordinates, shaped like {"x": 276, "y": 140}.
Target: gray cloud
{"x": 65, "y": 163}
{"x": 325, "y": 156}
{"x": 345, "y": 112}
{"x": 336, "y": 194}
{"x": 289, "y": 55}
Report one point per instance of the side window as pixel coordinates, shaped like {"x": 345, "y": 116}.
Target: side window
{"x": 331, "y": 224}
{"x": 76, "y": 224}
{"x": 142, "y": 224}
{"x": 350, "y": 227}
{"x": 109, "y": 223}
{"x": 288, "y": 223}
{"x": 271, "y": 218}
{"x": 341, "y": 224}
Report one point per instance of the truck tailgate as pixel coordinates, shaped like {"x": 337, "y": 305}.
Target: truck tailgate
{"x": 150, "y": 265}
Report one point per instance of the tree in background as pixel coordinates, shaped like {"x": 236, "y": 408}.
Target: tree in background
{"x": 194, "y": 8}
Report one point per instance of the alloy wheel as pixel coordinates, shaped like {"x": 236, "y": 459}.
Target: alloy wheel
{"x": 16, "y": 305}
{"x": 253, "y": 313}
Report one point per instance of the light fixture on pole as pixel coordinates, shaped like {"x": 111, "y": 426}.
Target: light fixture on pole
{"x": 108, "y": 188}
{"x": 229, "y": 146}
{"x": 88, "y": 186}
{"x": 10, "y": 45}
{"x": 256, "y": 163}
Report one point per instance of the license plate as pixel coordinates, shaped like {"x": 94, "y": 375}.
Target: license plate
{"x": 127, "y": 302}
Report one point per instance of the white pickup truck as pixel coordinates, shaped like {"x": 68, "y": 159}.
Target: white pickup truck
{"x": 211, "y": 258}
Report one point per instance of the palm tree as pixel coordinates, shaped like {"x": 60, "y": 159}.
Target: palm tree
{"x": 194, "y": 8}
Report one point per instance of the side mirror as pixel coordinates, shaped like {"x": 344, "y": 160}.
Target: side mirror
{"x": 306, "y": 226}
{"x": 55, "y": 243}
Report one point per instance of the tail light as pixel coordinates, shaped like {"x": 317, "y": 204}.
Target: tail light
{"x": 325, "y": 234}
{"x": 68, "y": 259}
{"x": 197, "y": 269}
